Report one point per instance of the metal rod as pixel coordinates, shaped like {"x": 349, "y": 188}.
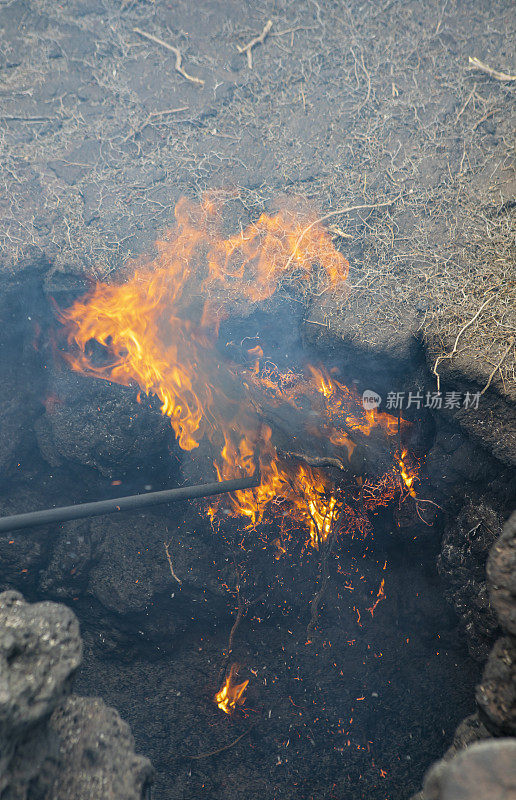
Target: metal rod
{"x": 129, "y": 503}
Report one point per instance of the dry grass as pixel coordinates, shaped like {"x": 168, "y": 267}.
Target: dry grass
{"x": 343, "y": 107}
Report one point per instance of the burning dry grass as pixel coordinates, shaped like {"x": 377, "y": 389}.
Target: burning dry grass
{"x": 159, "y": 328}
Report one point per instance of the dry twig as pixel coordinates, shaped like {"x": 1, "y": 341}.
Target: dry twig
{"x": 314, "y": 461}
{"x": 247, "y": 48}
{"x": 344, "y": 210}
{"x": 315, "y": 322}
{"x": 499, "y": 364}
{"x": 169, "y": 559}
{"x": 467, "y": 102}
{"x": 323, "y": 573}
{"x": 484, "y": 117}
{"x": 336, "y": 231}
{"x": 462, "y": 330}
{"x": 148, "y": 121}
{"x": 241, "y": 609}
{"x": 177, "y": 53}
{"x": 226, "y": 746}
{"x": 476, "y": 63}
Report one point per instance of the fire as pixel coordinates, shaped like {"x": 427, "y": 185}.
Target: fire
{"x": 159, "y": 328}
{"x": 231, "y": 694}
{"x": 339, "y": 397}
{"x": 408, "y": 477}
{"x": 158, "y": 331}
{"x": 322, "y": 506}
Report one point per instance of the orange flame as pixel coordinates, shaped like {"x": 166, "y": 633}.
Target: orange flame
{"x": 160, "y": 326}
{"x": 158, "y": 331}
{"x": 231, "y": 694}
{"x": 408, "y": 477}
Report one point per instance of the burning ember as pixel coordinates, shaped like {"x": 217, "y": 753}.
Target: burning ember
{"x": 231, "y": 694}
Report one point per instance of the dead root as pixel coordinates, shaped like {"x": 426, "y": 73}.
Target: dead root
{"x": 241, "y": 611}
{"x": 499, "y": 364}
{"x": 462, "y": 330}
{"x": 175, "y": 50}
{"x": 169, "y": 559}
{"x": 315, "y": 602}
{"x": 248, "y": 48}
{"x": 476, "y": 63}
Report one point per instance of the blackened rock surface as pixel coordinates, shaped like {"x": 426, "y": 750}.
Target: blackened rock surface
{"x": 100, "y": 762}
{"x": 501, "y": 576}
{"x": 484, "y": 771}
{"x": 455, "y": 459}
{"x": 470, "y": 730}
{"x": 101, "y": 425}
{"x": 493, "y": 423}
{"x": 22, "y": 556}
{"x": 364, "y": 326}
{"x": 466, "y": 543}
{"x": 73, "y": 550}
{"x": 496, "y": 694}
{"x": 12, "y": 418}
{"x": 21, "y": 373}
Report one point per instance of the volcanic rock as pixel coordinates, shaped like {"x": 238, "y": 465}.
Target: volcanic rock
{"x": 496, "y": 694}
{"x": 501, "y": 576}
{"x": 11, "y": 428}
{"x": 484, "y": 770}
{"x": 493, "y": 422}
{"x": 120, "y": 562}
{"x": 386, "y": 338}
{"x": 21, "y": 374}
{"x": 466, "y": 542}
{"x": 52, "y": 745}
{"x": 469, "y": 731}
{"x": 100, "y": 425}
{"x": 101, "y": 761}
{"x": 40, "y": 649}
{"x": 21, "y": 556}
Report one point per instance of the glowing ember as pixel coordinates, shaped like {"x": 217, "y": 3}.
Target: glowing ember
{"x": 231, "y": 694}
{"x": 379, "y": 597}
